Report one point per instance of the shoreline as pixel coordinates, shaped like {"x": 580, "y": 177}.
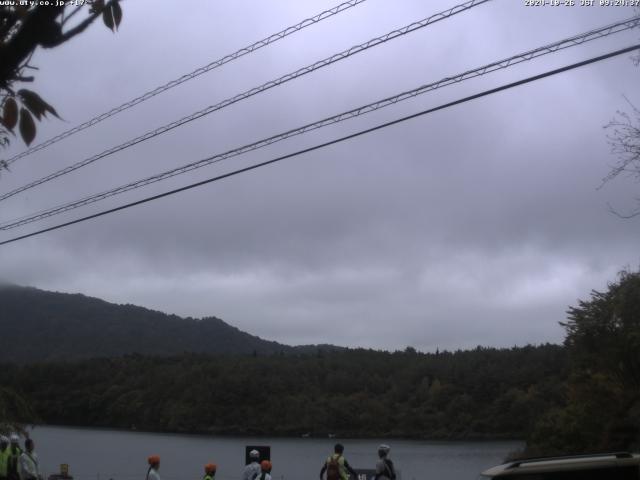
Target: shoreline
{"x": 235, "y": 435}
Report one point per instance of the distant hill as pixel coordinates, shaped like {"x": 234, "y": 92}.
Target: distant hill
{"x": 38, "y": 325}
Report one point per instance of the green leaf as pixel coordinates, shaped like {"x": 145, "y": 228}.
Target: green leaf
{"x": 96, "y": 6}
{"x": 107, "y": 18}
{"x": 117, "y": 13}
{"x": 36, "y": 104}
{"x": 10, "y": 113}
{"x": 27, "y": 126}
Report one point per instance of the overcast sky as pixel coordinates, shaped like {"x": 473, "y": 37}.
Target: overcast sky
{"x": 476, "y": 225}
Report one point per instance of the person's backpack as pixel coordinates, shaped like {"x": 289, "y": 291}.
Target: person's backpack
{"x": 389, "y": 464}
{"x": 333, "y": 468}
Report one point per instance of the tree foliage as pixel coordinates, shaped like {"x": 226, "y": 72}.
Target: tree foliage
{"x": 603, "y": 333}
{"x": 624, "y": 139}
{"x": 602, "y": 410}
{"x": 481, "y": 393}
{"x": 24, "y": 28}
{"x": 15, "y": 411}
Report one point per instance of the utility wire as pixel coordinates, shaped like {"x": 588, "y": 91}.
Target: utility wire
{"x": 331, "y": 142}
{"x": 254, "y": 91}
{"x": 362, "y": 110}
{"x": 185, "y": 78}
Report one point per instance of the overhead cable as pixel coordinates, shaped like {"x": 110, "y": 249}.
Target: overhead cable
{"x": 254, "y": 91}
{"x": 362, "y": 110}
{"x": 185, "y": 78}
{"x": 331, "y": 142}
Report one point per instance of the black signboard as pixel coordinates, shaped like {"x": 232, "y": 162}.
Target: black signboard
{"x": 365, "y": 474}
{"x": 368, "y": 474}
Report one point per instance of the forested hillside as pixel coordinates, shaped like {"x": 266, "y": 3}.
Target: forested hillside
{"x": 40, "y": 326}
{"x": 482, "y": 393}
{"x": 580, "y": 397}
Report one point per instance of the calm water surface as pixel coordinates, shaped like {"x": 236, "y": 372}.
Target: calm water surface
{"x": 118, "y": 455}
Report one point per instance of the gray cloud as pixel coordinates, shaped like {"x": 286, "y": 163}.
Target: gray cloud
{"x": 479, "y": 224}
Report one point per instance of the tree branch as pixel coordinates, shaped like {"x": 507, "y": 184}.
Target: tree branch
{"x": 68, "y": 17}
{"x": 81, "y": 26}
{"x": 620, "y": 215}
{"x": 10, "y": 19}
{"x": 36, "y": 29}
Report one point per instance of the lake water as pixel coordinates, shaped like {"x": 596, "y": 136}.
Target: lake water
{"x": 120, "y": 455}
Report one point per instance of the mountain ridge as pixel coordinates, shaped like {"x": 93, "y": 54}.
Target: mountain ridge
{"x": 40, "y": 326}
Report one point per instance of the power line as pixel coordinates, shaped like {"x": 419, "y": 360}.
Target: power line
{"x": 254, "y": 91}
{"x": 331, "y": 142}
{"x": 362, "y": 110}
{"x": 195, "y": 73}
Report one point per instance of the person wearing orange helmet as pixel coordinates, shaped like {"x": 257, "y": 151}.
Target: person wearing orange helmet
{"x": 209, "y": 471}
{"x": 154, "y": 466}
{"x": 265, "y": 471}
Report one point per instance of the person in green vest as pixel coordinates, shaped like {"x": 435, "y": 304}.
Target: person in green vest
{"x": 14, "y": 457}
{"x": 336, "y": 466}
{"x": 4, "y": 457}
{"x": 210, "y": 471}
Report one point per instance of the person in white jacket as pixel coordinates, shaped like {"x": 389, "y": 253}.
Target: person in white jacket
{"x": 265, "y": 471}
{"x": 252, "y": 469}
{"x": 154, "y": 466}
{"x": 28, "y": 466}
